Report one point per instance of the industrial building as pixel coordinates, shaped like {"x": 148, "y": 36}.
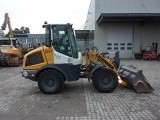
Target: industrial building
{"x": 124, "y": 25}
{"x": 29, "y": 38}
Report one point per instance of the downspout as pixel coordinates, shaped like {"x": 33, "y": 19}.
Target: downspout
{"x": 142, "y": 35}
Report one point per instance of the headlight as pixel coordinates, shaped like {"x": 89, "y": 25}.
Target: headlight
{"x": 16, "y": 52}
{"x": 25, "y": 74}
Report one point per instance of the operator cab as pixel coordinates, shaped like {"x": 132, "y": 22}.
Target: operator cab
{"x": 61, "y": 37}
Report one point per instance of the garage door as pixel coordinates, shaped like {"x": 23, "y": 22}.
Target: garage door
{"x": 119, "y": 38}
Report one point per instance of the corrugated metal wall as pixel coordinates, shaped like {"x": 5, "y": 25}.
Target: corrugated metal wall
{"x": 127, "y": 6}
{"x": 151, "y": 33}
{"x": 90, "y": 20}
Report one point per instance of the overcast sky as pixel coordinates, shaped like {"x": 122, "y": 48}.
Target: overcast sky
{"x": 33, "y": 13}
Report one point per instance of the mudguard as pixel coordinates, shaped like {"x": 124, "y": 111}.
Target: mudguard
{"x": 94, "y": 69}
{"x": 54, "y": 67}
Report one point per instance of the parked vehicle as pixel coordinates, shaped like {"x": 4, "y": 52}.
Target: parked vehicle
{"x": 59, "y": 60}
{"x": 11, "y": 52}
{"x": 150, "y": 52}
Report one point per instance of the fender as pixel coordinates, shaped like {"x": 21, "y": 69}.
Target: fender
{"x": 94, "y": 69}
{"x": 53, "y": 66}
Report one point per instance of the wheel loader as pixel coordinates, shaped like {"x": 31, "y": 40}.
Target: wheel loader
{"x": 59, "y": 60}
{"x": 10, "y": 52}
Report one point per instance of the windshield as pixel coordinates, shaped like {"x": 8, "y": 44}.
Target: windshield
{"x": 148, "y": 49}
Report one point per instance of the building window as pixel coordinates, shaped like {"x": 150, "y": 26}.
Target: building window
{"x": 129, "y": 48}
{"x": 109, "y": 44}
{"x": 129, "y": 44}
{"x": 122, "y": 48}
{"x": 115, "y": 44}
{"x": 122, "y": 44}
{"x": 115, "y": 48}
{"x": 109, "y": 48}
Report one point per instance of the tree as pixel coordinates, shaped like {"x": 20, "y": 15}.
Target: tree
{"x": 22, "y": 30}
{"x": 16, "y": 31}
{"x": 26, "y": 31}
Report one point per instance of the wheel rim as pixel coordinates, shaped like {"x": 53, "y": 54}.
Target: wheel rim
{"x": 106, "y": 81}
{"x": 50, "y": 81}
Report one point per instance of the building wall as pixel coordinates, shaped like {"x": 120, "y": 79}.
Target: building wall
{"x": 82, "y": 45}
{"x": 137, "y": 37}
{"x": 102, "y": 33}
{"x": 32, "y": 38}
{"x": 36, "y": 37}
{"x": 118, "y": 6}
{"x": 145, "y": 36}
{"x": 150, "y": 33}
{"x": 126, "y": 6}
{"x": 90, "y": 20}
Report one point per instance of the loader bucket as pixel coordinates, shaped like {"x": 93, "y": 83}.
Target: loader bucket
{"x": 134, "y": 79}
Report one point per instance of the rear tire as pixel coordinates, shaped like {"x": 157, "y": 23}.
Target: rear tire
{"x": 50, "y": 81}
{"x": 105, "y": 80}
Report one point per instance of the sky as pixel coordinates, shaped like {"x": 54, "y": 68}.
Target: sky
{"x": 33, "y": 13}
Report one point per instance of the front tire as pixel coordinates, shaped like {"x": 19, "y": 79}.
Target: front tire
{"x": 50, "y": 81}
{"x": 105, "y": 80}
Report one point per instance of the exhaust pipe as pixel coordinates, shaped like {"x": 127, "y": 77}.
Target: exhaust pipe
{"x": 133, "y": 78}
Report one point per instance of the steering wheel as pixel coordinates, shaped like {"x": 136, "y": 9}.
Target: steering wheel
{"x": 95, "y": 49}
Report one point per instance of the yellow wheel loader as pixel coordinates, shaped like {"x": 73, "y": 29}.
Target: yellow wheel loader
{"x": 59, "y": 60}
{"x": 10, "y": 52}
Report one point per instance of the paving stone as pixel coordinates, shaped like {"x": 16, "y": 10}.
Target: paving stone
{"x": 21, "y": 99}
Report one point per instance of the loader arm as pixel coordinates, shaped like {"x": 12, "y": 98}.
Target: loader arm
{"x": 128, "y": 76}
{"x": 97, "y": 58}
